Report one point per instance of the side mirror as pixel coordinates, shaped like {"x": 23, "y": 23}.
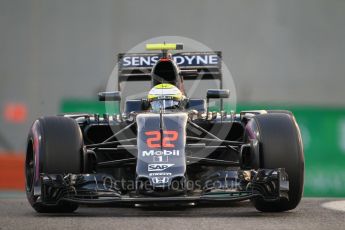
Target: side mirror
{"x": 109, "y": 96}
{"x": 218, "y": 93}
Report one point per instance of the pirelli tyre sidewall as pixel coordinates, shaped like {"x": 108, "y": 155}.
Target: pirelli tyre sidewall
{"x": 54, "y": 146}
{"x": 280, "y": 146}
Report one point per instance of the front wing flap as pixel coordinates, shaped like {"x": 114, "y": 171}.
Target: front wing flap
{"x": 267, "y": 184}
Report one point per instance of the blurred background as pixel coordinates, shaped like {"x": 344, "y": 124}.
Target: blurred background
{"x": 56, "y": 55}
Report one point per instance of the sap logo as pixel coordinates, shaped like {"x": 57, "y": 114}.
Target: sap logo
{"x": 158, "y": 167}
{"x": 161, "y": 153}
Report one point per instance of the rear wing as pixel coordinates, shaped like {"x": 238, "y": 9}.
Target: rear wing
{"x": 193, "y": 65}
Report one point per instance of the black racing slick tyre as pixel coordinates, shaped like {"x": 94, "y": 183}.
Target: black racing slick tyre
{"x": 280, "y": 111}
{"x": 54, "y": 146}
{"x": 280, "y": 147}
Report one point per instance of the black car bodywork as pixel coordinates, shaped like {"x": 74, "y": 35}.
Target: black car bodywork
{"x": 189, "y": 155}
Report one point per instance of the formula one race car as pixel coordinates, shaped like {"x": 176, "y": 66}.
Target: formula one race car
{"x": 165, "y": 148}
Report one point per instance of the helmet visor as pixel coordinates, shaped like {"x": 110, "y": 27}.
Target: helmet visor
{"x": 164, "y": 104}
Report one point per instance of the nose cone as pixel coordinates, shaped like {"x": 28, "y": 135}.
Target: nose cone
{"x": 161, "y": 153}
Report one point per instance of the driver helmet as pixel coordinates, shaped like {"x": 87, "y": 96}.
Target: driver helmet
{"x": 165, "y": 96}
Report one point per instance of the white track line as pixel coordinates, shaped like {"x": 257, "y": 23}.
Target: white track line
{"x": 338, "y": 205}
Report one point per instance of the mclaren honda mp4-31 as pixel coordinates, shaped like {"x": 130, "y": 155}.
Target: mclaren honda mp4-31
{"x": 165, "y": 148}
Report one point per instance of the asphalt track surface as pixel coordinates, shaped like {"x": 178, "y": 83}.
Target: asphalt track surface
{"x": 15, "y": 213}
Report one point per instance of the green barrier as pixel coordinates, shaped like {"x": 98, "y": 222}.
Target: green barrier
{"x": 323, "y": 133}
{"x": 88, "y": 106}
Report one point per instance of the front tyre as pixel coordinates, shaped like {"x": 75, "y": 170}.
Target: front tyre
{"x": 54, "y": 146}
{"x": 280, "y": 147}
